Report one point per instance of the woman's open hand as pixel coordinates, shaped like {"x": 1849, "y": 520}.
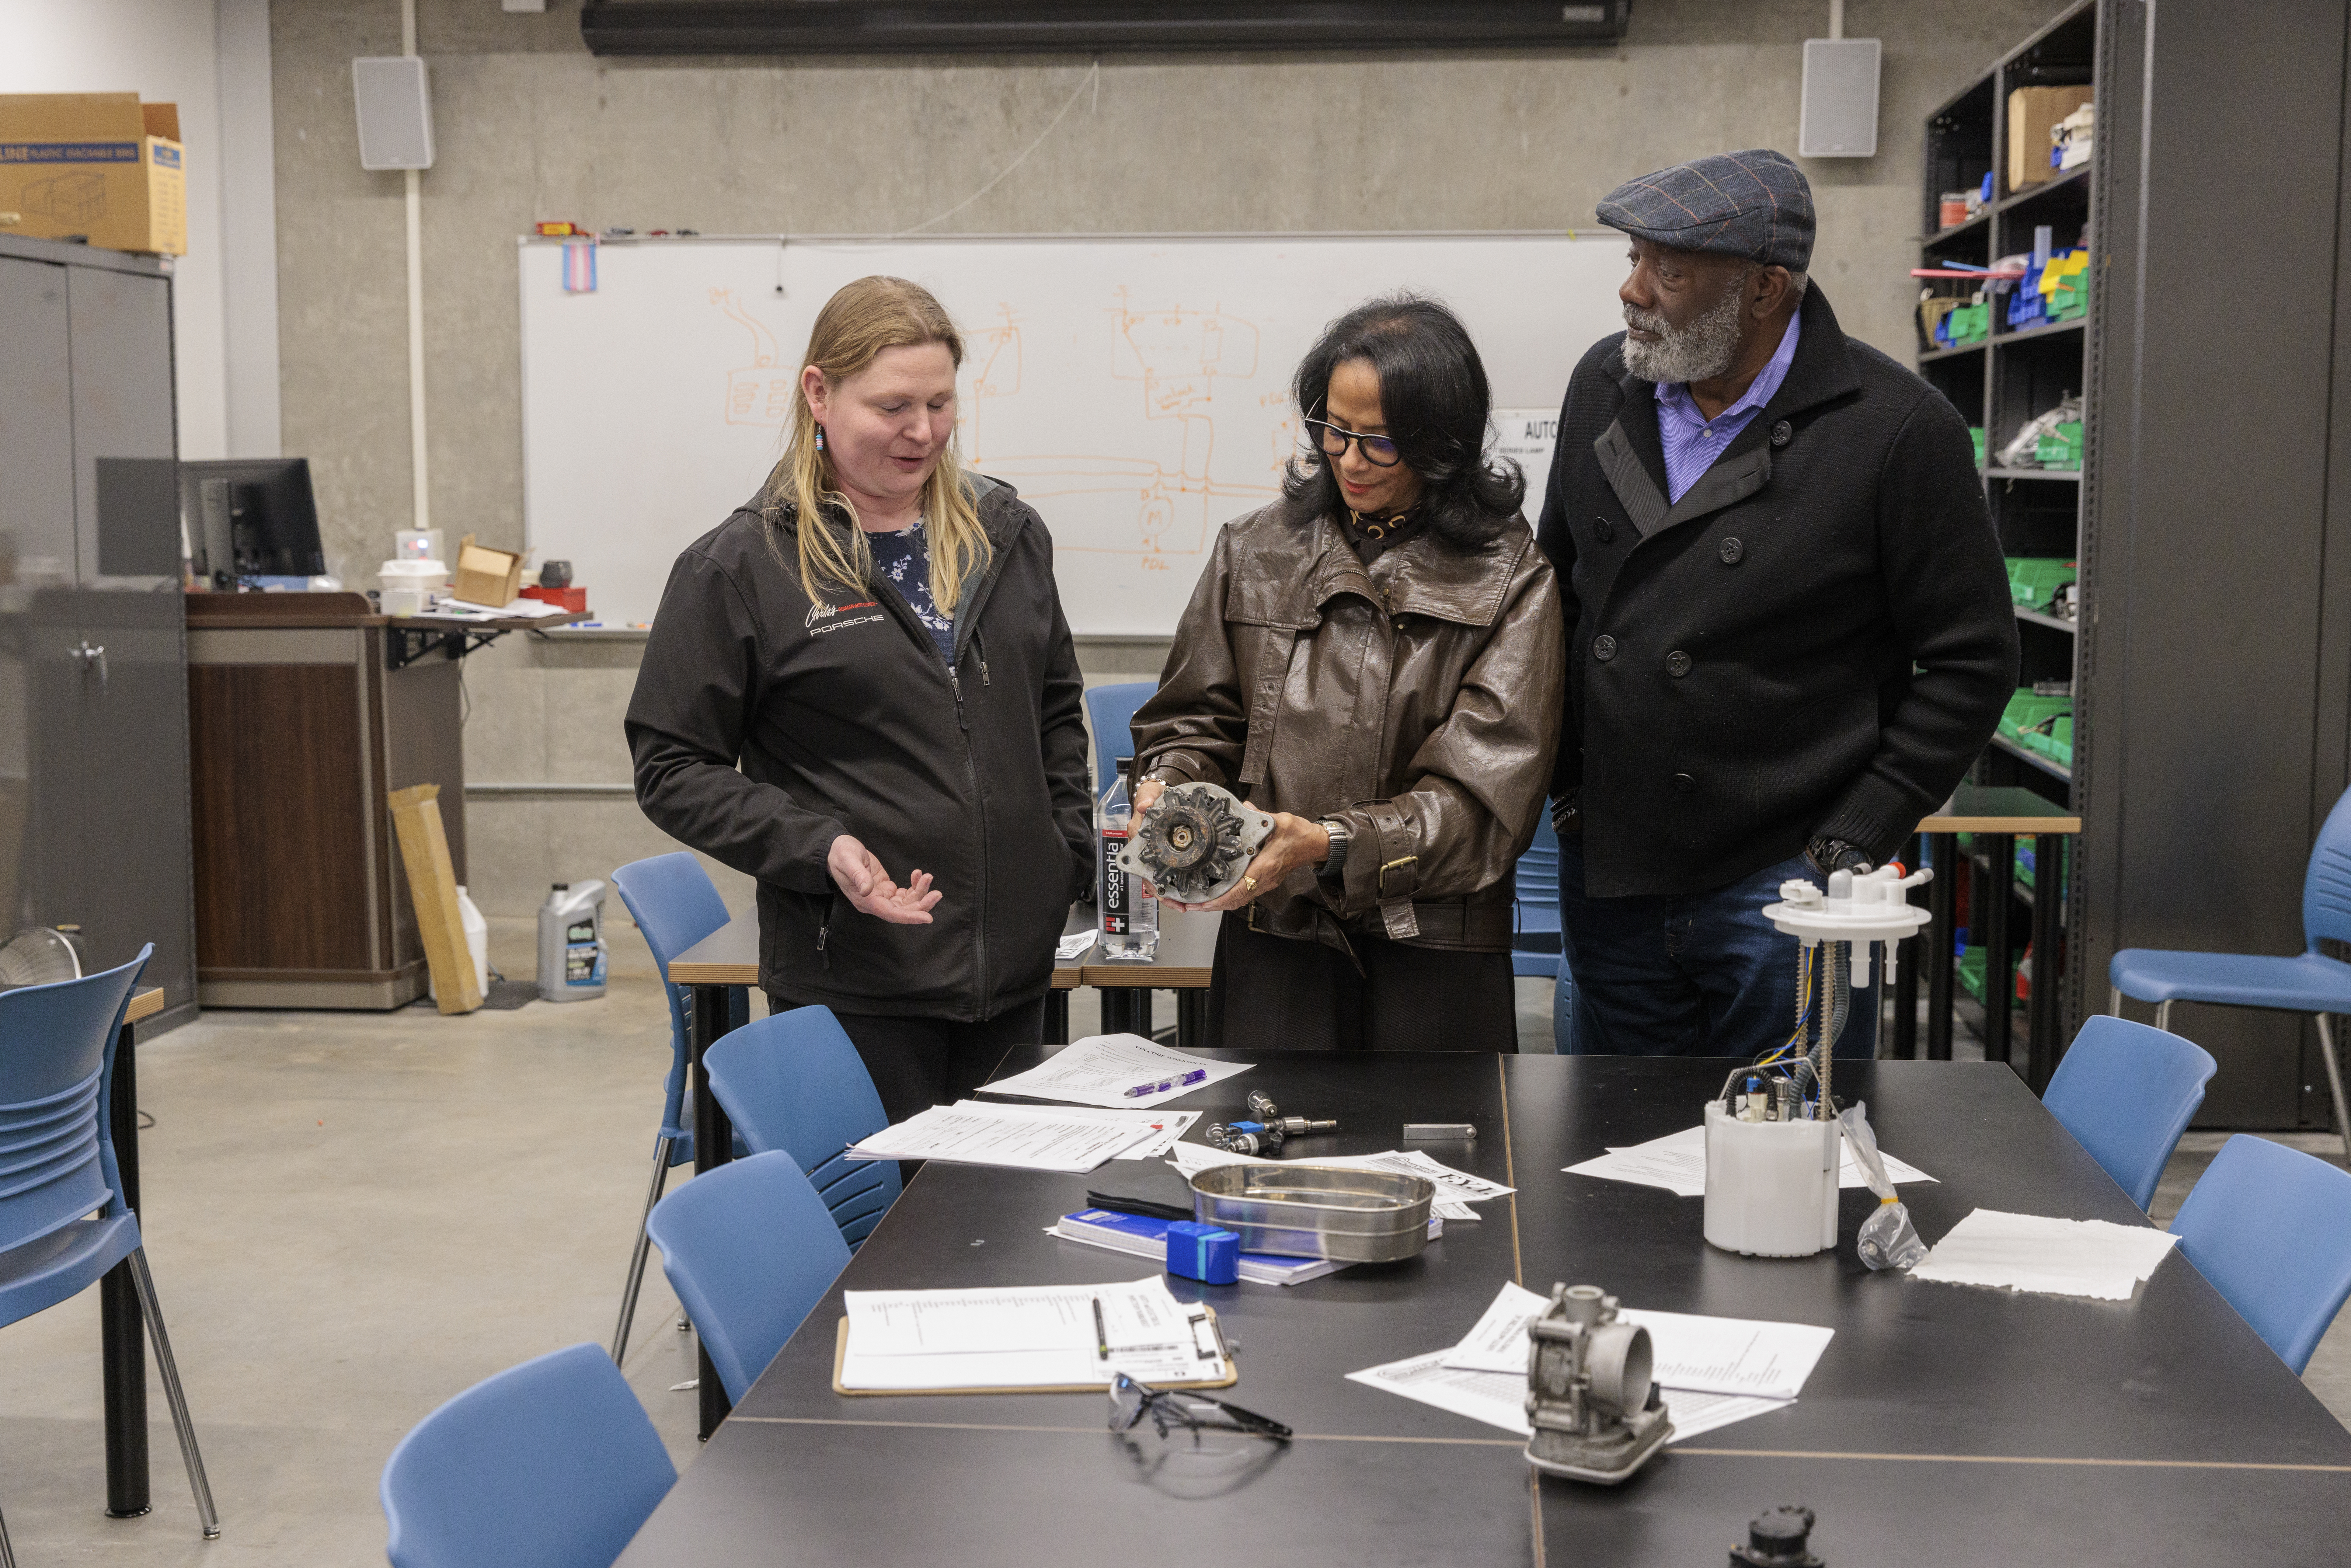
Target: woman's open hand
{"x": 1294, "y": 842}
{"x": 869, "y": 888}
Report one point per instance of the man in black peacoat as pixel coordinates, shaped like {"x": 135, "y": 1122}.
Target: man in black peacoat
{"x": 1778, "y": 666}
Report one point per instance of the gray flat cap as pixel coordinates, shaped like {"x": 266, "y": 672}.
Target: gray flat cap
{"x": 1754, "y": 204}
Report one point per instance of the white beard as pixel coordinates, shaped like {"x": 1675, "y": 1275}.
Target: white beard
{"x": 1698, "y": 352}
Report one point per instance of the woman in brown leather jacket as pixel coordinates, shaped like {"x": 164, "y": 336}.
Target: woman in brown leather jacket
{"x": 1377, "y": 660}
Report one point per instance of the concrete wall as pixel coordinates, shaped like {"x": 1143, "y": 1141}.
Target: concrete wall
{"x": 529, "y": 126}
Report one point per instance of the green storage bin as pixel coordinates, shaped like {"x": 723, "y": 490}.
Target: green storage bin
{"x": 2061, "y": 740}
{"x": 2069, "y": 299}
{"x": 1969, "y": 972}
{"x": 1976, "y": 436}
{"x": 2061, "y": 450}
{"x": 2033, "y": 581}
{"x": 2027, "y": 708}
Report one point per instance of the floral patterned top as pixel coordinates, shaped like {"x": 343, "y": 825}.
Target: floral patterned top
{"x": 904, "y": 560}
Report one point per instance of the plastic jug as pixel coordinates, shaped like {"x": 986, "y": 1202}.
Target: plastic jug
{"x": 477, "y": 945}
{"x": 571, "y": 943}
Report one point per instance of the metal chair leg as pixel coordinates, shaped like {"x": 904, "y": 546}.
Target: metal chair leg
{"x": 637, "y": 1258}
{"x": 2334, "y": 1085}
{"x": 2163, "y": 1015}
{"x": 206, "y": 1514}
{"x": 2115, "y": 1001}
{"x": 7, "y": 1557}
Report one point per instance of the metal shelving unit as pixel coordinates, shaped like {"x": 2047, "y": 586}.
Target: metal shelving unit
{"x": 2011, "y": 377}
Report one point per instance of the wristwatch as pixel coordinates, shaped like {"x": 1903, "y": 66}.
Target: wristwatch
{"x": 1338, "y": 855}
{"x": 1834, "y": 854}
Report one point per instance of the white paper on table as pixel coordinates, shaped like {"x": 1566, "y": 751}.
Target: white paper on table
{"x": 1190, "y": 1159}
{"x": 2052, "y": 1257}
{"x": 1173, "y": 1124}
{"x": 1019, "y": 1337}
{"x": 1700, "y": 1354}
{"x": 1677, "y": 1162}
{"x": 1500, "y": 1398}
{"x": 1027, "y": 1137}
{"x": 1075, "y": 945}
{"x": 1099, "y": 1069}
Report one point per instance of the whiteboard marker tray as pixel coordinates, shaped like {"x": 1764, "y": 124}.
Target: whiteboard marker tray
{"x": 1317, "y": 1211}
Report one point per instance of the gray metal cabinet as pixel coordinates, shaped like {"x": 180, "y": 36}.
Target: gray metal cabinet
{"x": 94, "y": 825}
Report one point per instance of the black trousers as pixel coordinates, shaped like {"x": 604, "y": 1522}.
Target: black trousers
{"x": 1281, "y": 993}
{"x": 916, "y": 1062}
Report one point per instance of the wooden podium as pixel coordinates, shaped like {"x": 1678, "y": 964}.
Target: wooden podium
{"x": 305, "y": 711}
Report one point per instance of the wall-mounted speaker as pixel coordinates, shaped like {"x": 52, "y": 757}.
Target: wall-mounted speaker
{"x": 1840, "y": 116}
{"x": 395, "y": 104}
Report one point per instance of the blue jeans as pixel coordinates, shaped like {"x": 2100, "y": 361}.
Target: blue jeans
{"x": 1696, "y": 974}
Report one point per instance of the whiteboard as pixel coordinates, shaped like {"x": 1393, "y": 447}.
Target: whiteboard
{"x": 1135, "y": 389}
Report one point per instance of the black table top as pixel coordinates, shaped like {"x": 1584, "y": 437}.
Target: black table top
{"x": 1944, "y": 1425}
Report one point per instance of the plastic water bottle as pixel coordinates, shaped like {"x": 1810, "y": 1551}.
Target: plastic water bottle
{"x": 571, "y": 943}
{"x": 1130, "y": 917}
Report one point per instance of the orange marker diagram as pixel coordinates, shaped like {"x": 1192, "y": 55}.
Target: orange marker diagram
{"x": 760, "y": 392}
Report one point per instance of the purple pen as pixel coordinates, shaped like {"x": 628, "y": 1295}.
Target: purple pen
{"x": 1140, "y": 1090}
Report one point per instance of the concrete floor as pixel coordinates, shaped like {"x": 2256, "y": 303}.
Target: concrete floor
{"x": 352, "y": 1217}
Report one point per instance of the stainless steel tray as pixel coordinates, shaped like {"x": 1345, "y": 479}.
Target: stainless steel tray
{"x": 1317, "y": 1211}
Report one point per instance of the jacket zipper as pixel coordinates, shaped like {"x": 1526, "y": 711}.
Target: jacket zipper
{"x": 906, "y": 617}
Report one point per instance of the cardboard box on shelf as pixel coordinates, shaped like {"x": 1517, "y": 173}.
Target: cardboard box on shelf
{"x": 485, "y": 576}
{"x": 99, "y": 166}
{"x": 2033, "y": 112}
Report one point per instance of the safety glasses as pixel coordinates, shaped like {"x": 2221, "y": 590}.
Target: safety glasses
{"x": 1131, "y": 1401}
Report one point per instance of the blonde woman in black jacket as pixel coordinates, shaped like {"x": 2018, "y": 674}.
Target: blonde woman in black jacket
{"x": 859, "y": 690}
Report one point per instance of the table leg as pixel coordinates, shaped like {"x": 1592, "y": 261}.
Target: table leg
{"x": 1943, "y": 898}
{"x": 1906, "y": 978}
{"x": 1126, "y": 1010}
{"x": 1999, "y": 963}
{"x": 2042, "y": 1047}
{"x": 122, "y": 1344}
{"x": 1192, "y": 1017}
{"x": 1057, "y": 1018}
{"x": 715, "y": 1014}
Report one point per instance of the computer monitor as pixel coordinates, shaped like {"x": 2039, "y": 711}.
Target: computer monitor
{"x": 252, "y": 518}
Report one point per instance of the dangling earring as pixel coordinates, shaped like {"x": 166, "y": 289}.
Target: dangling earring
{"x": 819, "y": 438}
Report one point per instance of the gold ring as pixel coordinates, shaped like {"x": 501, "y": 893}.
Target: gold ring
{"x": 1249, "y": 883}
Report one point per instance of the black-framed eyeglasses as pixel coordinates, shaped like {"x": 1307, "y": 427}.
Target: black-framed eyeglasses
{"x": 1129, "y": 1401}
{"x": 1379, "y": 451}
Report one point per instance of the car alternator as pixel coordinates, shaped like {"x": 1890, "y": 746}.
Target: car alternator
{"x": 1195, "y": 843}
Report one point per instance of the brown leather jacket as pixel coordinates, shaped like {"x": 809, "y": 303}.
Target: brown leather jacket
{"x": 1415, "y": 700}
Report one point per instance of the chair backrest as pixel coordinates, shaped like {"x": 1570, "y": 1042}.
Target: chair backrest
{"x": 671, "y": 899}
{"x": 2271, "y": 1227}
{"x": 551, "y": 1464}
{"x": 1110, "y": 710}
{"x": 792, "y": 1081}
{"x": 749, "y": 1248}
{"x": 56, "y": 1064}
{"x": 2327, "y": 886}
{"x": 1539, "y": 867}
{"x": 2126, "y": 1092}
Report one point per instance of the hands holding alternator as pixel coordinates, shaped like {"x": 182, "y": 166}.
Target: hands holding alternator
{"x": 868, "y": 886}
{"x": 1293, "y": 843}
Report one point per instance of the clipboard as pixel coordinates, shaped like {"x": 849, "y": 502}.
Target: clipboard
{"x": 841, "y": 1354}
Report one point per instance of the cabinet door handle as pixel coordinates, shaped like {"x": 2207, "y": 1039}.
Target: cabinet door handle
{"x": 93, "y": 657}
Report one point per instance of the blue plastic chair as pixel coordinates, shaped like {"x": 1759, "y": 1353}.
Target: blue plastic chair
{"x": 551, "y": 1464}
{"x": 1535, "y": 949}
{"x": 749, "y": 1248}
{"x": 2309, "y": 982}
{"x": 671, "y": 899}
{"x": 792, "y": 1081}
{"x": 1111, "y": 711}
{"x": 2271, "y": 1227}
{"x": 63, "y": 1223}
{"x": 2125, "y": 1093}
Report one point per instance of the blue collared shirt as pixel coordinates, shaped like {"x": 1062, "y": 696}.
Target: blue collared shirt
{"x": 1692, "y": 441}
